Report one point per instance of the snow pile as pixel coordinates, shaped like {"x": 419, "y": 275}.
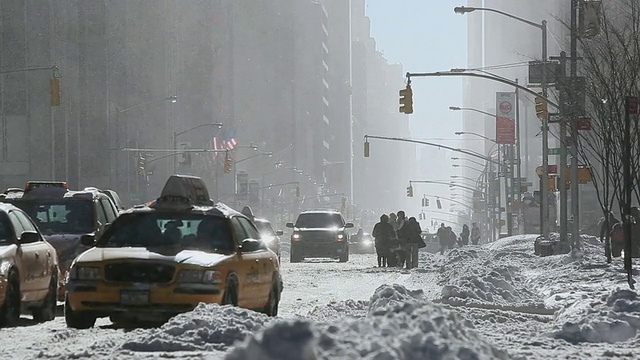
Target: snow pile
{"x": 399, "y": 326}
{"x": 338, "y": 310}
{"x": 490, "y": 276}
{"x": 208, "y": 327}
{"x": 613, "y": 318}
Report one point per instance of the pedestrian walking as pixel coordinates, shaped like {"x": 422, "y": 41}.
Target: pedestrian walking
{"x": 414, "y": 238}
{"x": 475, "y": 234}
{"x": 443, "y": 238}
{"x": 403, "y": 238}
{"x": 451, "y": 241}
{"x": 464, "y": 235}
{"x": 383, "y": 234}
{"x": 606, "y": 231}
{"x": 394, "y": 244}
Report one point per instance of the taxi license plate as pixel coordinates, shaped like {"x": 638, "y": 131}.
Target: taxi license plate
{"x": 134, "y": 297}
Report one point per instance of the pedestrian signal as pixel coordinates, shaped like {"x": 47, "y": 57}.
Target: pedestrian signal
{"x": 366, "y": 149}
{"x": 409, "y": 191}
{"x": 406, "y": 100}
{"x": 438, "y": 203}
{"x": 542, "y": 111}
{"x": 54, "y": 85}
{"x": 297, "y": 190}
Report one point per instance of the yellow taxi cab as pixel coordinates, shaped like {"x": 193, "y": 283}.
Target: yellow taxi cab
{"x": 28, "y": 269}
{"x": 161, "y": 259}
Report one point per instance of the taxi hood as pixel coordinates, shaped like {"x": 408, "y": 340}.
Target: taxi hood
{"x": 190, "y": 257}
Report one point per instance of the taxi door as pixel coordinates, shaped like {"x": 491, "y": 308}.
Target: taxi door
{"x": 248, "y": 269}
{"x": 264, "y": 264}
{"x": 43, "y": 256}
{"x": 25, "y": 261}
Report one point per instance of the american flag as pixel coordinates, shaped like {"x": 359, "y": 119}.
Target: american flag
{"x": 228, "y": 140}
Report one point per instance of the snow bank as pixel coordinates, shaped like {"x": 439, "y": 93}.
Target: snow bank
{"x": 208, "y": 327}
{"x": 338, "y": 310}
{"x": 400, "y": 325}
{"x": 614, "y": 318}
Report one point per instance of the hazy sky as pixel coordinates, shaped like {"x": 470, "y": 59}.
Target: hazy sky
{"x": 426, "y": 36}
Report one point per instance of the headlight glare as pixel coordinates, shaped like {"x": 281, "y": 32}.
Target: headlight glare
{"x": 212, "y": 277}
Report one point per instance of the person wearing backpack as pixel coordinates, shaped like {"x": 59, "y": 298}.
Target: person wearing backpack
{"x": 475, "y": 234}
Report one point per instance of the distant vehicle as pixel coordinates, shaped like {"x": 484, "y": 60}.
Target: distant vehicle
{"x": 431, "y": 240}
{"x": 112, "y": 195}
{"x": 268, "y": 235}
{"x": 159, "y": 260}
{"x": 63, "y": 216}
{"x": 362, "y": 244}
{"x": 29, "y": 271}
{"x": 319, "y": 233}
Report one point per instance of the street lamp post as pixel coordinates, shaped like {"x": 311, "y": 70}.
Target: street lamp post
{"x": 545, "y": 121}
{"x": 175, "y": 139}
{"x": 475, "y": 134}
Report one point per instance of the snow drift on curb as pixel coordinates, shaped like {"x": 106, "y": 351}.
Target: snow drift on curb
{"x": 207, "y": 327}
{"x": 400, "y": 325}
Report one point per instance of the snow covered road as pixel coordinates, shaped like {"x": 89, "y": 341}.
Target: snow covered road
{"x": 488, "y": 302}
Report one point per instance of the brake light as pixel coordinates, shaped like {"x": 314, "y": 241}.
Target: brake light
{"x": 340, "y": 237}
{"x": 295, "y": 237}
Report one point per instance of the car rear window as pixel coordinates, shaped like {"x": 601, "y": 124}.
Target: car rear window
{"x": 265, "y": 228}
{"x": 60, "y": 216}
{"x": 185, "y": 231}
{"x": 319, "y": 220}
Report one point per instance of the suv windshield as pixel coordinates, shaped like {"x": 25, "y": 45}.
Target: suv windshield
{"x": 63, "y": 216}
{"x": 184, "y": 231}
{"x": 319, "y": 220}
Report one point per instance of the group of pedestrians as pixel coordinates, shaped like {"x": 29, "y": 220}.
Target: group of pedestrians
{"x": 397, "y": 240}
{"x": 448, "y": 239}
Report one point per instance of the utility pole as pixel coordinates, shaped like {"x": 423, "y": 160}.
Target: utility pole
{"x": 544, "y": 188}
{"x": 519, "y": 162}
{"x": 563, "y": 148}
{"x": 575, "y": 203}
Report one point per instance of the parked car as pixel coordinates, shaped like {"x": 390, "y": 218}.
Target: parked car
{"x": 269, "y": 236}
{"x": 319, "y": 233}
{"x": 162, "y": 259}
{"x": 29, "y": 271}
{"x": 64, "y": 216}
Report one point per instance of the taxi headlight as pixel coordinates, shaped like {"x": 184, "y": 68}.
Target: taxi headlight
{"x": 199, "y": 276}
{"x": 87, "y": 273}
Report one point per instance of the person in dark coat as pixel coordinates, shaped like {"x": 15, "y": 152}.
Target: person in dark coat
{"x": 414, "y": 233}
{"x": 443, "y": 238}
{"x": 383, "y": 234}
{"x": 451, "y": 243}
{"x": 475, "y": 234}
{"x": 464, "y": 235}
{"x": 403, "y": 237}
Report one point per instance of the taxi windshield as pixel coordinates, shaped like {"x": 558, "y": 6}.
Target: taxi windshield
{"x": 60, "y": 216}
{"x": 185, "y": 231}
{"x": 265, "y": 228}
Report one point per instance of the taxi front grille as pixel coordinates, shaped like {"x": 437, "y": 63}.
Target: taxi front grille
{"x": 152, "y": 273}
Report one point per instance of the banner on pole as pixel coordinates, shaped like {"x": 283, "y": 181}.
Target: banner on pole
{"x": 506, "y": 118}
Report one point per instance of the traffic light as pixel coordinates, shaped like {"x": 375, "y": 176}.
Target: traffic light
{"x": 425, "y": 201}
{"x": 406, "y": 100}
{"x": 366, "y": 149}
{"x": 54, "y": 86}
{"x": 142, "y": 162}
{"x": 297, "y": 190}
{"x": 542, "y": 111}
{"x": 438, "y": 203}
{"x": 409, "y": 191}
{"x": 227, "y": 164}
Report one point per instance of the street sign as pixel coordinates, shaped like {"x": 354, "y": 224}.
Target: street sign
{"x": 539, "y": 171}
{"x": 583, "y": 123}
{"x": 554, "y": 151}
{"x": 536, "y": 68}
{"x": 554, "y": 118}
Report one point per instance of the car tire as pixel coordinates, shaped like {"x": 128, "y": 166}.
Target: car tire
{"x": 77, "y": 319}
{"x": 10, "y": 311}
{"x": 47, "y": 311}
{"x": 295, "y": 257}
{"x": 344, "y": 257}
{"x": 230, "y": 296}
{"x": 274, "y": 300}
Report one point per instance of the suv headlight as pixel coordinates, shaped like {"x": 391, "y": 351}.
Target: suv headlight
{"x": 340, "y": 237}
{"x": 296, "y": 236}
{"x": 200, "y": 276}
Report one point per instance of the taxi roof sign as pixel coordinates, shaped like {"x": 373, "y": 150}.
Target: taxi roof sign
{"x": 181, "y": 188}
{"x": 30, "y": 185}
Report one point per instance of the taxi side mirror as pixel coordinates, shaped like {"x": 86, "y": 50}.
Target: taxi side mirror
{"x": 348, "y": 225}
{"x": 249, "y": 245}
{"x": 279, "y": 232}
{"x": 88, "y": 240}
{"x": 289, "y": 225}
{"x": 28, "y": 237}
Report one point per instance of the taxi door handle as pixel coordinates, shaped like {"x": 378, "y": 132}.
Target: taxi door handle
{"x": 37, "y": 256}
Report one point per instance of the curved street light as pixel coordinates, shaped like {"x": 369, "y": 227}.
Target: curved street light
{"x": 456, "y": 108}
{"x": 469, "y": 160}
{"x": 467, "y": 167}
{"x": 176, "y": 134}
{"x": 475, "y": 134}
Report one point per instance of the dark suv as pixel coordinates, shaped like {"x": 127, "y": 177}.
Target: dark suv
{"x": 319, "y": 234}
